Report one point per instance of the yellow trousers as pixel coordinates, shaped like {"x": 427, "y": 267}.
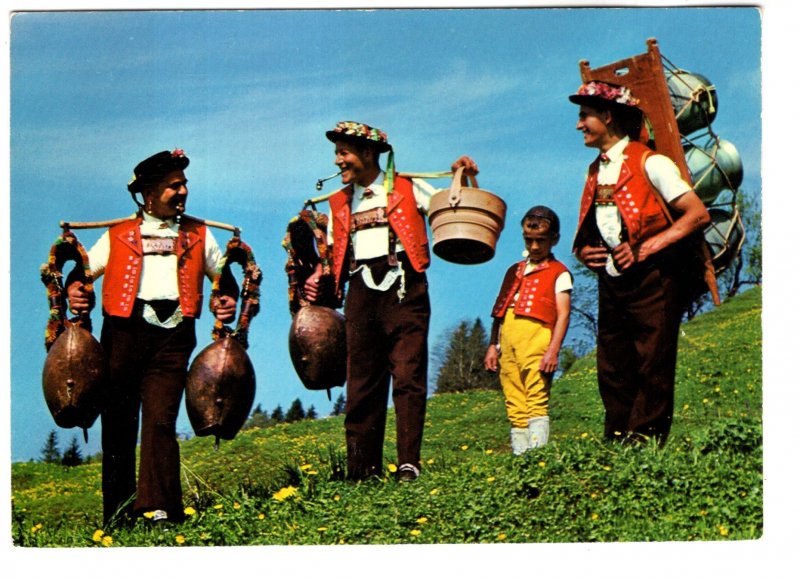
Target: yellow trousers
{"x": 523, "y": 342}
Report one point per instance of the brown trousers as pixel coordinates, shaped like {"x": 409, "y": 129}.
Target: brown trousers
{"x": 638, "y": 324}
{"x": 148, "y": 367}
{"x": 387, "y": 340}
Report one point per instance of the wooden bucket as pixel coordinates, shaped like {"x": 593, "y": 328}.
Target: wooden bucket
{"x": 466, "y": 222}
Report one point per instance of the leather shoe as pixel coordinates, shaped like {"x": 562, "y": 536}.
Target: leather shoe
{"x": 407, "y": 473}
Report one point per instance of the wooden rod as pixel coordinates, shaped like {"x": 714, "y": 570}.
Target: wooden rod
{"x": 67, "y": 225}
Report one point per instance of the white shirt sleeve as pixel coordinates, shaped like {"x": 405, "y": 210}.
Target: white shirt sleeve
{"x": 98, "y": 255}
{"x": 423, "y": 192}
{"x": 213, "y": 255}
{"x": 666, "y": 177}
{"x": 564, "y": 282}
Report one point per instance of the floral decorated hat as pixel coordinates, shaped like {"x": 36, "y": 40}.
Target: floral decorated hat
{"x": 359, "y": 132}
{"x": 595, "y": 91}
{"x": 156, "y": 167}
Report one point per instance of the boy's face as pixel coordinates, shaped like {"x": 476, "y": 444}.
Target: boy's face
{"x": 538, "y": 240}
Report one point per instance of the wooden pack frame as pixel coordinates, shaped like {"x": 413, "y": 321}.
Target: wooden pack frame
{"x": 643, "y": 74}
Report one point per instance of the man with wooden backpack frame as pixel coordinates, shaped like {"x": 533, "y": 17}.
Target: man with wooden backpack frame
{"x": 643, "y": 258}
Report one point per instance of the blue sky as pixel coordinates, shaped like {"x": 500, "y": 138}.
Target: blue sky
{"x": 249, "y": 94}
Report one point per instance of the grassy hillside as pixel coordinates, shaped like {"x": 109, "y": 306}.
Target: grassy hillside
{"x": 283, "y": 486}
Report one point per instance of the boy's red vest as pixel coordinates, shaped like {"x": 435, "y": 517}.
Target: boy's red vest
{"x": 537, "y": 291}
{"x": 634, "y": 196}
{"x": 404, "y": 218}
{"x": 124, "y": 268}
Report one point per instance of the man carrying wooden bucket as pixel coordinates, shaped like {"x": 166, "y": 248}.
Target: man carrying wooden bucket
{"x": 626, "y": 234}
{"x": 380, "y": 246}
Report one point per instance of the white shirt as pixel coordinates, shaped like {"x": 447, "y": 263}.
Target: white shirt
{"x": 159, "y": 278}
{"x": 663, "y": 174}
{"x": 563, "y": 281}
{"x": 374, "y": 242}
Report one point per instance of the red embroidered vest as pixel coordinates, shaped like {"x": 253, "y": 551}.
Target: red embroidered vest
{"x": 404, "y": 218}
{"x": 634, "y": 196}
{"x": 537, "y": 291}
{"x": 124, "y": 268}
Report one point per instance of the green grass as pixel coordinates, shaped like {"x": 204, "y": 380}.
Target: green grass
{"x": 282, "y": 485}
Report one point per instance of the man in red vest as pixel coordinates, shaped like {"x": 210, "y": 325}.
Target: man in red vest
{"x": 153, "y": 266}
{"x": 380, "y": 246}
{"x": 642, "y": 258}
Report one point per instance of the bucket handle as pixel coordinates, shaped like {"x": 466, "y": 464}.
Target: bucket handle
{"x": 455, "y": 187}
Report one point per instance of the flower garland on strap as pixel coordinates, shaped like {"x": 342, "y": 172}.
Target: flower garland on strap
{"x": 65, "y": 248}
{"x": 306, "y": 231}
{"x": 240, "y": 253}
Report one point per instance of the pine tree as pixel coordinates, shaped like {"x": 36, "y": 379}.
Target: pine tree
{"x": 277, "y": 415}
{"x": 50, "y": 452}
{"x": 460, "y": 357}
{"x": 311, "y": 414}
{"x": 338, "y": 405}
{"x": 72, "y": 456}
{"x": 296, "y": 411}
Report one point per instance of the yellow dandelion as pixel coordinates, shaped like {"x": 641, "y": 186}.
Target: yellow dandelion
{"x": 337, "y": 498}
{"x": 723, "y": 530}
{"x": 501, "y": 537}
{"x": 285, "y": 493}
{"x": 465, "y": 447}
{"x": 585, "y": 435}
{"x": 97, "y": 536}
{"x": 217, "y": 506}
{"x": 305, "y": 467}
{"x": 430, "y": 461}
{"x": 322, "y": 529}
{"x": 434, "y": 491}
{"x": 490, "y": 479}
{"x": 415, "y": 533}
{"x": 422, "y": 520}
{"x": 392, "y": 468}
{"x": 542, "y": 464}
{"x": 261, "y": 516}
{"x": 705, "y": 400}
{"x": 490, "y": 451}
{"x": 107, "y": 541}
{"x": 148, "y": 514}
{"x": 685, "y": 406}
{"x": 180, "y": 539}
{"x": 595, "y": 516}
{"x": 607, "y": 468}
{"x": 189, "y": 511}
{"x": 237, "y": 506}
{"x": 593, "y": 495}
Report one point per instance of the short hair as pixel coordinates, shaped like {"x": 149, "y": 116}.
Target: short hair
{"x": 629, "y": 120}
{"x": 540, "y": 216}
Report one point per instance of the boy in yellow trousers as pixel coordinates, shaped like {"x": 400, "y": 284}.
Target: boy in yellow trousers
{"x": 529, "y": 321}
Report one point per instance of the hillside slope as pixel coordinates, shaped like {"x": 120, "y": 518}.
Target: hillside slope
{"x": 283, "y": 485}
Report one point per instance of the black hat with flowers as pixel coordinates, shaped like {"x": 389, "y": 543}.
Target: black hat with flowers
{"x": 359, "y": 133}
{"x": 155, "y": 167}
{"x": 608, "y": 93}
